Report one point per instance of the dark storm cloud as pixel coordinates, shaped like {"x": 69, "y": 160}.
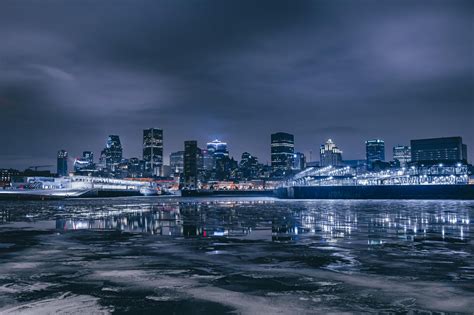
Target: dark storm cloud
{"x": 73, "y": 72}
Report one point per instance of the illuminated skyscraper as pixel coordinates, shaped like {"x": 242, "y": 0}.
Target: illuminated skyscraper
{"x": 191, "y": 156}
{"x": 330, "y": 154}
{"x": 177, "y": 162}
{"x": 112, "y": 154}
{"x": 153, "y": 151}
{"x": 299, "y": 162}
{"x": 282, "y": 150}
{"x": 88, "y": 156}
{"x": 374, "y": 151}
{"x": 402, "y": 154}
{"x": 218, "y": 150}
{"x": 62, "y": 163}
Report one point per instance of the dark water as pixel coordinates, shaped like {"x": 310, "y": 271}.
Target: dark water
{"x": 250, "y": 256}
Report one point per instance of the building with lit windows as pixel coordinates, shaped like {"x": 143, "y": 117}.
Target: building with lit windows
{"x": 88, "y": 156}
{"x": 374, "y": 151}
{"x": 449, "y": 150}
{"x": 177, "y": 162}
{"x": 402, "y": 155}
{"x": 112, "y": 155}
{"x": 62, "y": 163}
{"x": 191, "y": 157}
{"x": 282, "y": 151}
{"x": 299, "y": 162}
{"x": 330, "y": 154}
{"x": 153, "y": 151}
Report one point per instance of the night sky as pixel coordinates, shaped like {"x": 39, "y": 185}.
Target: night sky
{"x": 73, "y": 72}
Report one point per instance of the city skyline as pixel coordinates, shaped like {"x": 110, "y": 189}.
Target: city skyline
{"x": 202, "y": 144}
{"x": 238, "y": 73}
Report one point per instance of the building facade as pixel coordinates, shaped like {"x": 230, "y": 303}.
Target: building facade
{"x": 447, "y": 150}
{"x": 112, "y": 154}
{"x": 330, "y": 154}
{"x": 153, "y": 151}
{"x": 402, "y": 155}
{"x": 177, "y": 162}
{"x": 299, "y": 162}
{"x": 62, "y": 158}
{"x": 374, "y": 151}
{"x": 191, "y": 156}
{"x": 282, "y": 151}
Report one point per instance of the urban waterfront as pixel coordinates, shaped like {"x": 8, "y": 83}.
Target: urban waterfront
{"x": 236, "y": 255}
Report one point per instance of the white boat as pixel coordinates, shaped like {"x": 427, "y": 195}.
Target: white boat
{"x": 148, "y": 191}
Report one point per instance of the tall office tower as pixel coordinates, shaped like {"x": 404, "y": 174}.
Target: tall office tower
{"x": 62, "y": 163}
{"x": 153, "y": 151}
{"x": 299, "y": 162}
{"x": 402, "y": 154}
{"x": 88, "y": 156}
{"x": 191, "y": 156}
{"x": 217, "y": 148}
{"x": 177, "y": 162}
{"x": 282, "y": 150}
{"x": 207, "y": 160}
{"x": 330, "y": 154}
{"x": 112, "y": 154}
{"x": 374, "y": 151}
{"x": 135, "y": 168}
{"x": 447, "y": 150}
{"x": 248, "y": 166}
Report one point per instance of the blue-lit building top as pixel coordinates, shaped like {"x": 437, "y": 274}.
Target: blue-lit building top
{"x": 375, "y": 151}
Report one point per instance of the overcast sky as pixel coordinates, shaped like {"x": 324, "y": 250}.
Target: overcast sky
{"x": 73, "y": 72}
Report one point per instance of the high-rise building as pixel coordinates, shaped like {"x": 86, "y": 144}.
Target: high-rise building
{"x": 402, "y": 155}
{"x": 282, "y": 150}
{"x": 248, "y": 166}
{"x": 207, "y": 160}
{"x": 447, "y": 150}
{"x": 217, "y": 148}
{"x": 191, "y": 156}
{"x": 374, "y": 151}
{"x": 299, "y": 162}
{"x": 153, "y": 150}
{"x": 62, "y": 163}
{"x": 330, "y": 154}
{"x": 112, "y": 154}
{"x": 88, "y": 156}
{"x": 85, "y": 163}
{"x": 177, "y": 162}
{"x": 136, "y": 167}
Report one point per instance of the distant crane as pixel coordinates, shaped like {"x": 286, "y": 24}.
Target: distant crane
{"x": 36, "y": 167}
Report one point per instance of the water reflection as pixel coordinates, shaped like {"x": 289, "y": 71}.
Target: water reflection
{"x": 326, "y": 221}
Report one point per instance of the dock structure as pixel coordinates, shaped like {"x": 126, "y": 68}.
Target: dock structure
{"x": 424, "y": 182}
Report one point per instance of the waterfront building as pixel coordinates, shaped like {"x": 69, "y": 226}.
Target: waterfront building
{"x": 177, "y": 162}
{"x": 6, "y": 176}
{"x": 62, "y": 163}
{"x": 402, "y": 155}
{"x": 330, "y": 154}
{"x": 448, "y": 150}
{"x": 191, "y": 156}
{"x": 374, "y": 151}
{"x": 153, "y": 151}
{"x": 282, "y": 151}
{"x": 299, "y": 162}
{"x": 113, "y": 153}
